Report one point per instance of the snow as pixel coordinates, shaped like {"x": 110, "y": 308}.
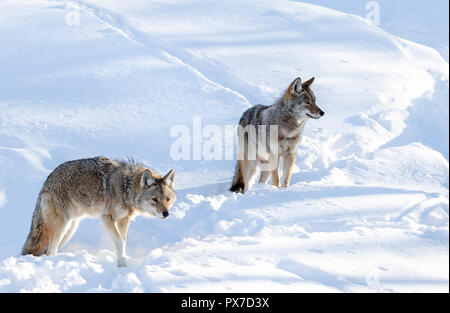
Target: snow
{"x": 426, "y": 24}
{"x": 368, "y": 205}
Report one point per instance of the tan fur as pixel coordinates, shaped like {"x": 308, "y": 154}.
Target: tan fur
{"x": 288, "y": 165}
{"x": 274, "y": 173}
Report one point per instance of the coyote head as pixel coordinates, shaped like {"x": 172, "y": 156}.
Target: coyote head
{"x": 301, "y": 101}
{"x": 156, "y": 194}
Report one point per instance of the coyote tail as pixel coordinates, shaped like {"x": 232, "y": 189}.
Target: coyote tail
{"x": 238, "y": 180}
{"x": 37, "y": 240}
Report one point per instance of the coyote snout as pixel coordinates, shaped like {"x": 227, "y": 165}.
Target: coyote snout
{"x": 115, "y": 191}
{"x": 315, "y": 112}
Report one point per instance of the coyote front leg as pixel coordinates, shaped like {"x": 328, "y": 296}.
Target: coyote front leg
{"x": 274, "y": 172}
{"x": 288, "y": 165}
{"x": 264, "y": 172}
{"x": 123, "y": 226}
{"x": 117, "y": 238}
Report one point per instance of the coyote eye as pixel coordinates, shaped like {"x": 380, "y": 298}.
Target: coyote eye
{"x": 154, "y": 199}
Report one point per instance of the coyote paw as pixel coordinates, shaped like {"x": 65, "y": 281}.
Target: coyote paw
{"x": 122, "y": 261}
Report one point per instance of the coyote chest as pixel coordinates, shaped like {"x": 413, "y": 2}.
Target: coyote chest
{"x": 289, "y": 138}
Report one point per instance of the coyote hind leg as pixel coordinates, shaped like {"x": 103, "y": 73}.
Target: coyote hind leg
{"x": 264, "y": 177}
{"x": 69, "y": 234}
{"x": 248, "y": 170}
{"x": 58, "y": 227}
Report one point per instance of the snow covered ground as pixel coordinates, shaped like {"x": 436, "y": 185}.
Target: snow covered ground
{"x": 368, "y": 206}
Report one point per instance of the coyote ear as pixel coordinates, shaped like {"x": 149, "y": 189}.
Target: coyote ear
{"x": 169, "y": 178}
{"x": 147, "y": 179}
{"x": 308, "y": 82}
{"x": 294, "y": 89}
{"x": 296, "y": 86}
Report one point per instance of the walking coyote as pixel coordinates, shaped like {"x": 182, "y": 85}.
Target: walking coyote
{"x": 116, "y": 191}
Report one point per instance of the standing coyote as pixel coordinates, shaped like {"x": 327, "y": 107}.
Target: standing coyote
{"x": 289, "y": 114}
{"x": 116, "y": 191}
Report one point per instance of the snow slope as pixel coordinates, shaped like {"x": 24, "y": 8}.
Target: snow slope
{"x": 368, "y": 206}
{"x": 422, "y": 22}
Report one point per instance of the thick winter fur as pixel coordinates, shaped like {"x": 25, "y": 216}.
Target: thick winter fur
{"x": 115, "y": 191}
{"x": 289, "y": 113}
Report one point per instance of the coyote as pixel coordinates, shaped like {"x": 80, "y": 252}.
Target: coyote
{"x": 289, "y": 114}
{"x": 116, "y": 191}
